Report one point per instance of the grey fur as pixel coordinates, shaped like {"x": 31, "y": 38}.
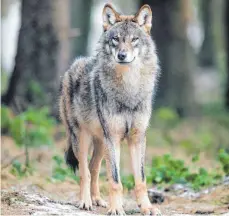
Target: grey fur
{"x": 100, "y": 99}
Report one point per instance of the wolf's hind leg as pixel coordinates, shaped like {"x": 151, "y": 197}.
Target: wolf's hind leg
{"x": 85, "y": 177}
{"x": 95, "y": 165}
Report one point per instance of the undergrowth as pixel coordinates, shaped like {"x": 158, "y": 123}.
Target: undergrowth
{"x": 166, "y": 170}
{"x": 29, "y": 129}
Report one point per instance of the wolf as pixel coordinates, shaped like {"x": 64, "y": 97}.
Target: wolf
{"x": 107, "y": 98}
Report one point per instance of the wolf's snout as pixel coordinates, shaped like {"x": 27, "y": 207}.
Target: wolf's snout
{"x": 122, "y": 55}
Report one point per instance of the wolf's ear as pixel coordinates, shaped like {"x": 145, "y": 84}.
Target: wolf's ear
{"x": 110, "y": 17}
{"x": 144, "y": 18}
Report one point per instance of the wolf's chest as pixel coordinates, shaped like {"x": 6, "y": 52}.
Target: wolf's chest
{"x": 116, "y": 125}
{"x": 128, "y": 79}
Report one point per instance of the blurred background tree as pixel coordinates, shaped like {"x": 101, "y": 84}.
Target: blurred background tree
{"x": 34, "y": 79}
{"x": 175, "y": 54}
{"x": 227, "y": 50}
{"x": 207, "y": 53}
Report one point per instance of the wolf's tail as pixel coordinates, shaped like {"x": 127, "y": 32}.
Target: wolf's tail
{"x": 71, "y": 159}
{"x": 65, "y": 104}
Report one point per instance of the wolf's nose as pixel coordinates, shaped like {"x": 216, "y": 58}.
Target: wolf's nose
{"x": 121, "y": 56}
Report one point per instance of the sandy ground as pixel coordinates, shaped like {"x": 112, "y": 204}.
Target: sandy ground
{"x": 35, "y": 195}
{"x": 32, "y": 200}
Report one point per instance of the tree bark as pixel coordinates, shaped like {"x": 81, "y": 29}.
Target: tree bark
{"x": 175, "y": 55}
{"x": 227, "y": 51}
{"x": 80, "y": 19}
{"x": 34, "y": 81}
{"x": 207, "y": 53}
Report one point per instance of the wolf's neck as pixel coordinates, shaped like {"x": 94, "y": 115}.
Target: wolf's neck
{"x": 127, "y": 77}
{"x": 126, "y": 84}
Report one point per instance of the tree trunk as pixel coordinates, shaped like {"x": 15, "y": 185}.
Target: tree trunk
{"x": 80, "y": 20}
{"x": 207, "y": 53}
{"x": 63, "y": 30}
{"x": 34, "y": 81}
{"x": 175, "y": 55}
{"x": 227, "y": 50}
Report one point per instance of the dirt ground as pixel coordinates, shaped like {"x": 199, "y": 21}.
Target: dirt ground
{"x": 35, "y": 195}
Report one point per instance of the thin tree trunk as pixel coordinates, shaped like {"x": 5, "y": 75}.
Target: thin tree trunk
{"x": 80, "y": 19}
{"x": 34, "y": 80}
{"x": 227, "y": 50}
{"x": 63, "y": 29}
{"x": 175, "y": 55}
{"x": 207, "y": 53}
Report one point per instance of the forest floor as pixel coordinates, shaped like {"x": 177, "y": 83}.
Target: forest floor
{"x": 37, "y": 195}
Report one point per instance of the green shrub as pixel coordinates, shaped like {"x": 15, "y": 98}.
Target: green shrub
{"x": 223, "y": 158}
{"x": 20, "y": 170}
{"x": 6, "y": 117}
{"x": 30, "y": 128}
{"x": 61, "y": 172}
{"x": 167, "y": 170}
{"x": 166, "y": 117}
{"x": 128, "y": 182}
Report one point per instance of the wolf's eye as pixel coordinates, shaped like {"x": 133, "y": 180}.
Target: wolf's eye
{"x": 115, "y": 38}
{"x": 135, "y": 39}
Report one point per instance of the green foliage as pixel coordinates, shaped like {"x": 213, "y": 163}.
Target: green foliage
{"x": 223, "y": 157}
{"x": 33, "y": 127}
{"x": 209, "y": 131}
{"x": 35, "y": 88}
{"x": 4, "y": 81}
{"x": 61, "y": 172}
{"x": 166, "y": 117}
{"x": 29, "y": 129}
{"x": 167, "y": 170}
{"x": 6, "y": 117}
{"x": 19, "y": 170}
{"x": 128, "y": 182}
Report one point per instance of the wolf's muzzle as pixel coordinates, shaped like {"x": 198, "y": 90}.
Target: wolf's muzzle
{"x": 122, "y": 55}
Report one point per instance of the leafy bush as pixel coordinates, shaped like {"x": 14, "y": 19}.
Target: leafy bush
{"x": 61, "y": 171}
{"x": 6, "y": 116}
{"x": 166, "y": 117}
{"x": 30, "y": 128}
{"x": 167, "y": 170}
{"x": 20, "y": 170}
{"x": 223, "y": 157}
{"x": 128, "y": 182}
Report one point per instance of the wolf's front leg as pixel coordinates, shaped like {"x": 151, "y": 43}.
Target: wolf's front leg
{"x": 85, "y": 177}
{"x": 137, "y": 144}
{"x": 112, "y": 156}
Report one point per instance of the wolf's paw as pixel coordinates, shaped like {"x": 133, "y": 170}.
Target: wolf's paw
{"x": 113, "y": 211}
{"x": 85, "y": 204}
{"x": 150, "y": 210}
{"x": 98, "y": 201}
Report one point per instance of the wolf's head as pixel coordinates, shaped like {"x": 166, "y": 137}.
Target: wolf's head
{"x": 127, "y": 38}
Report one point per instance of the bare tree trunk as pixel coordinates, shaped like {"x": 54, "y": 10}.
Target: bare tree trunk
{"x": 34, "y": 80}
{"x": 207, "y": 53}
{"x": 175, "y": 54}
{"x": 80, "y": 19}
{"x": 227, "y": 50}
{"x": 63, "y": 29}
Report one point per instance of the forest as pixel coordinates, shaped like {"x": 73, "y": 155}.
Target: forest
{"x": 187, "y": 156}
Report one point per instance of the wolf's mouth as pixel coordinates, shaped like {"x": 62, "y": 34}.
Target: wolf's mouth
{"x": 125, "y": 62}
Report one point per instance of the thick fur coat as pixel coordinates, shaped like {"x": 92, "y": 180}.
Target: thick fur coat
{"x": 107, "y": 98}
